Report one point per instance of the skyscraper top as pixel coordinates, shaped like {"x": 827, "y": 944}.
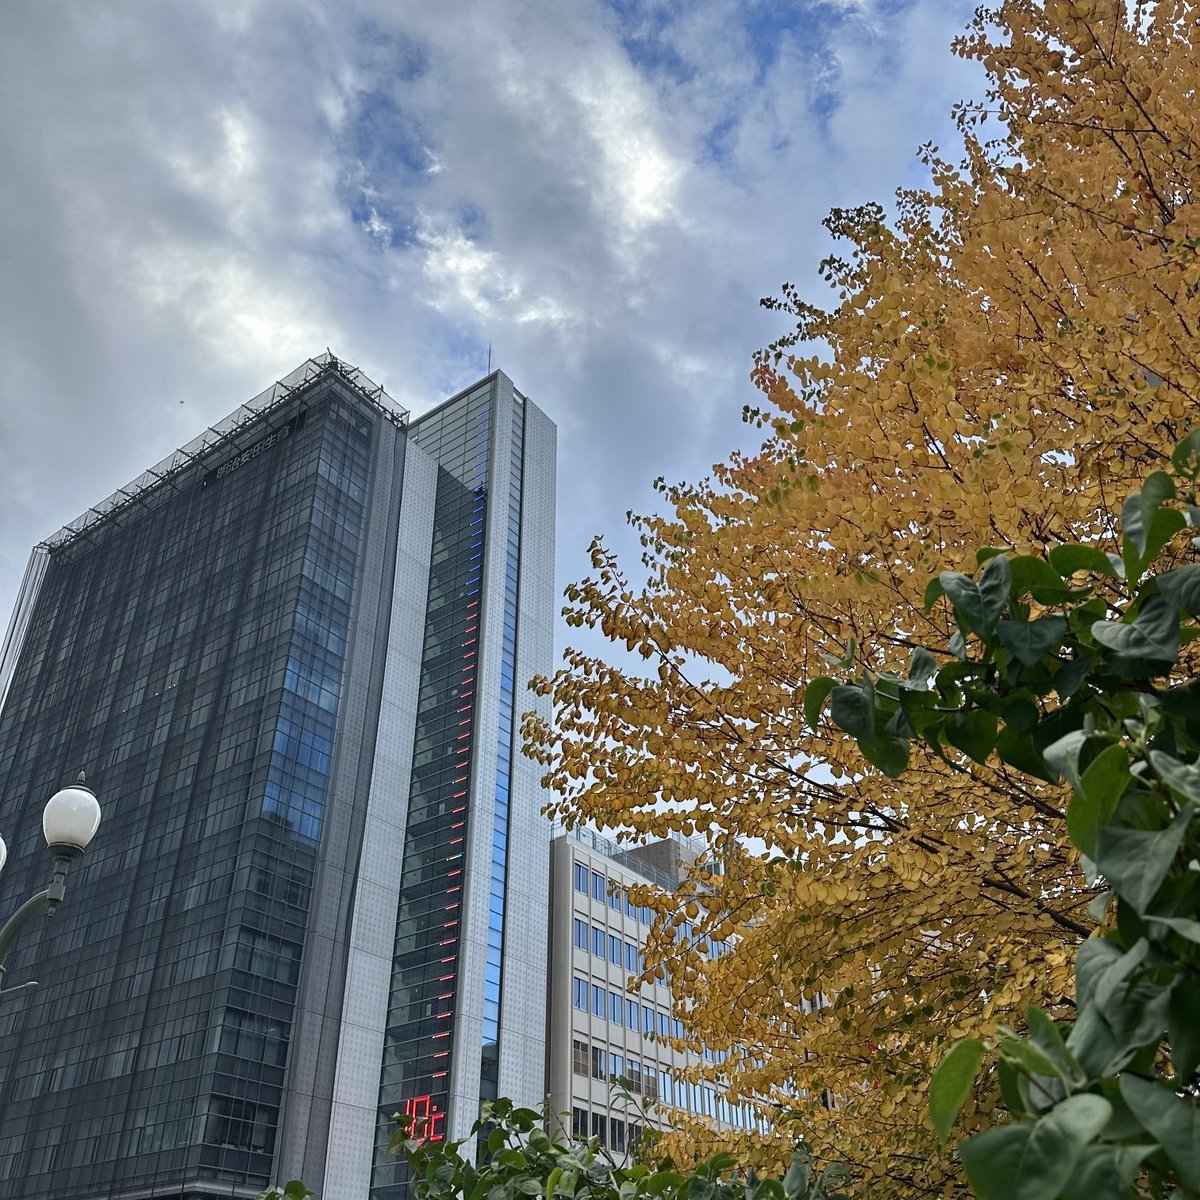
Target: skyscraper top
{"x": 226, "y": 432}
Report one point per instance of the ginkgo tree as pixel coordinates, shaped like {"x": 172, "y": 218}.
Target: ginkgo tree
{"x": 1002, "y": 356}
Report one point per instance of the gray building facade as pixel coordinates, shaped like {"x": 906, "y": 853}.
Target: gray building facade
{"x": 290, "y": 659}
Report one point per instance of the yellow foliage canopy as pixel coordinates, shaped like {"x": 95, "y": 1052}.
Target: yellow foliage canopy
{"x": 1003, "y": 359}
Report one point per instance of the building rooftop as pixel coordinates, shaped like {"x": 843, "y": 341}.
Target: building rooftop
{"x": 225, "y": 431}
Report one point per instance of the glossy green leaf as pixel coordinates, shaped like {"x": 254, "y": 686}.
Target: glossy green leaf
{"x": 933, "y": 592}
{"x": 1106, "y": 1172}
{"x": 887, "y": 752}
{"x": 1183, "y": 1025}
{"x": 1173, "y": 1121}
{"x": 1033, "y": 1160}
{"x": 951, "y": 1084}
{"x": 1048, "y": 1038}
{"x": 1147, "y": 646}
{"x": 1182, "y": 588}
{"x": 1137, "y": 515}
{"x": 1031, "y": 640}
{"x": 1182, "y": 778}
{"x": 1136, "y": 861}
{"x": 978, "y": 604}
{"x": 1093, "y": 803}
{"x": 922, "y": 666}
{"x": 1143, "y": 548}
{"x": 852, "y": 707}
{"x": 815, "y": 695}
{"x": 974, "y": 734}
{"x": 1035, "y": 576}
{"x": 1066, "y": 560}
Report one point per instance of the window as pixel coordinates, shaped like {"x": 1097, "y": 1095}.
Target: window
{"x": 635, "y": 1134}
{"x": 650, "y": 1085}
{"x": 631, "y": 1013}
{"x": 597, "y": 1000}
{"x": 597, "y": 886}
{"x": 614, "y": 950}
{"x": 581, "y": 934}
{"x": 599, "y": 1128}
{"x": 633, "y": 1072}
{"x": 647, "y": 1020}
{"x": 579, "y": 993}
{"x": 630, "y": 908}
{"x": 614, "y": 1008}
{"x": 579, "y": 1122}
{"x": 664, "y": 1024}
{"x": 614, "y": 899}
{"x": 597, "y": 942}
{"x": 630, "y": 957}
{"x": 668, "y": 1088}
{"x": 598, "y": 1057}
{"x": 617, "y": 1130}
{"x": 581, "y": 878}
{"x": 616, "y": 1066}
{"x": 646, "y": 915}
{"x": 579, "y": 1057}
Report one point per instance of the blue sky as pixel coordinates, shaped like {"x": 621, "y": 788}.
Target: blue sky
{"x": 199, "y": 196}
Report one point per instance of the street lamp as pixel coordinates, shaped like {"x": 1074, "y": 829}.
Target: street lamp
{"x": 69, "y": 821}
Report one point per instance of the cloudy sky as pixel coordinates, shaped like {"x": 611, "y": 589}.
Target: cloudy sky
{"x": 196, "y": 195}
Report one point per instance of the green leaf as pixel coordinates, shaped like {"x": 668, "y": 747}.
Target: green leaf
{"x": 951, "y": 1084}
{"x": 1171, "y": 1120}
{"x": 1031, "y": 640}
{"x": 1182, "y": 778}
{"x": 852, "y": 707}
{"x": 1071, "y": 674}
{"x": 933, "y": 592}
{"x": 1066, "y": 560}
{"x": 1136, "y": 861}
{"x": 1022, "y": 1052}
{"x": 295, "y": 1190}
{"x": 1137, "y": 515}
{"x": 1148, "y": 646}
{"x": 798, "y": 1176}
{"x": 1033, "y": 1160}
{"x": 1010, "y": 1089}
{"x": 1183, "y": 1027}
{"x": 1094, "y": 802}
{"x": 1186, "y": 455}
{"x": 815, "y": 696}
{"x": 1181, "y": 588}
{"x": 1062, "y": 755}
{"x": 978, "y": 605}
{"x": 1144, "y": 548}
{"x": 1018, "y": 749}
{"x": 1106, "y": 1172}
{"x": 923, "y": 665}
{"x": 1046, "y": 1036}
{"x": 1031, "y": 575}
{"x": 974, "y": 733}
{"x": 987, "y": 552}
{"x": 887, "y": 752}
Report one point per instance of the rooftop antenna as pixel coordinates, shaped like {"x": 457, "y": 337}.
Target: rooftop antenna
{"x": 489, "y": 370}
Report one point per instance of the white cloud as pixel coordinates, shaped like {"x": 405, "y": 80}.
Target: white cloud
{"x": 199, "y": 196}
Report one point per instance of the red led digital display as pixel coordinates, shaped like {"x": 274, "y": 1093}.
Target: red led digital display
{"x": 425, "y": 1119}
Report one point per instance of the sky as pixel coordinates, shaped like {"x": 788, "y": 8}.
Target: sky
{"x": 196, "y": 197}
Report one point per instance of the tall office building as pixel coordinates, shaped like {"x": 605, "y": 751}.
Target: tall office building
{"x": 290, "y": 659}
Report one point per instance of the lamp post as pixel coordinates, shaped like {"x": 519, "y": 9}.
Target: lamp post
{"x": 69, "y": 822}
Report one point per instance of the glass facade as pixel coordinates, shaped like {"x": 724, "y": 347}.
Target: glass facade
{"x": 267, "y": 646}
{"x": 190, "y": 657}
{"x": 421, "y": 1031}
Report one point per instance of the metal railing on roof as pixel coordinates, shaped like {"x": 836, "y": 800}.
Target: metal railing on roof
{"x": 225, "y": 430}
